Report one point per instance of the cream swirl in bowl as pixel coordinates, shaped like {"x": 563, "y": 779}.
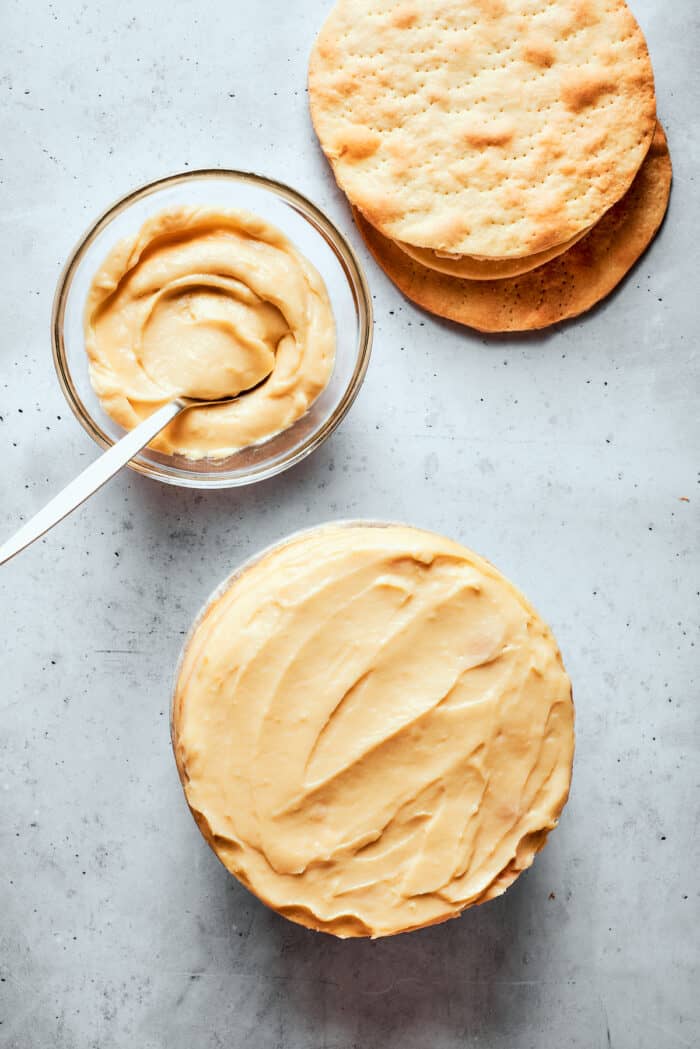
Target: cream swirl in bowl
{"x": 209, "y": 303}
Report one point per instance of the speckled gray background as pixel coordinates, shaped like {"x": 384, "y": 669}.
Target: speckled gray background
{"x": 563, "y": 457}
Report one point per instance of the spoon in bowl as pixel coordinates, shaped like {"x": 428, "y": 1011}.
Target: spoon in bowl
{"x": 99, "y": 472}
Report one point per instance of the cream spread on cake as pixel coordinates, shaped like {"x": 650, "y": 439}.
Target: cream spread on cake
{"x": 374, "y": 729}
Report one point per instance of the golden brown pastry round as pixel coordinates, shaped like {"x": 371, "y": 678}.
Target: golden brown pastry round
{"x": 470, "y": 268}
{"x": 557, "y": 291}
{"x": 482, "y": 127}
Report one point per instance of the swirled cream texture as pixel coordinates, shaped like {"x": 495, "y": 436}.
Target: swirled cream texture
{"x": 209, "y": 303}
{"x": 374, "y": 729}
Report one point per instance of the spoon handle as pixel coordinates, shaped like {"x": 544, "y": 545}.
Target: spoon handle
{"x": 92, "y": 478}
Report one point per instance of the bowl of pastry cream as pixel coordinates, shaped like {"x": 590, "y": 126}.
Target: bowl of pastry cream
{"x": 213, "y": 285}
{"x": 373, "y": 728}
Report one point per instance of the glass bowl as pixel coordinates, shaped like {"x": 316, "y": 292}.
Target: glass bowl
{"x": 310, "y": 231}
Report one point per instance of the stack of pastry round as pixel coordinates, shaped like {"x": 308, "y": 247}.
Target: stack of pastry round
{"x": 502, "y": 157}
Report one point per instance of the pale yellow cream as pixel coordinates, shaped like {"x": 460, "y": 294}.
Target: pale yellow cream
{"x": 208, "y": 303}
{"x": 374, "y": 729}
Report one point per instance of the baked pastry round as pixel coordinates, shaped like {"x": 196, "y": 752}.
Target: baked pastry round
{"x": 490, "y": 128}
{"x": 469, "y": 268}
{"x": 563, "y": 288}
{"x": 373, "y": 728}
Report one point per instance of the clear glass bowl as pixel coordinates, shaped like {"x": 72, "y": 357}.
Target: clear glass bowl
{"x": 313, "y": 234}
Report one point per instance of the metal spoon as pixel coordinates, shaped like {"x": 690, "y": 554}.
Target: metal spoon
{"x": 99, "y": 472}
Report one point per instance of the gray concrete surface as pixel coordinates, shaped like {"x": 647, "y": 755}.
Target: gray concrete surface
{"x": 565, "y": 458}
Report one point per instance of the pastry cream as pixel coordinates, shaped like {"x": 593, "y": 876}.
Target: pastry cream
{"x": 208, "y": 303}
{"x": 374, "y": 729}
